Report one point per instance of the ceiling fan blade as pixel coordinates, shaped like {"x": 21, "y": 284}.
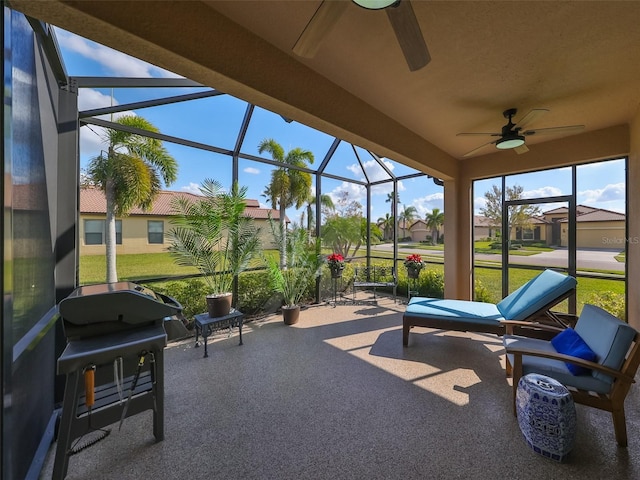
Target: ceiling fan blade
{"x": 521, "y": 149}
{"x": 554, "y": 130}
{"x": 531, "y": 117}
{"x": 468, "y": 154}
{"x": 470, "y": 134}
{"x": 407, "y": 30}
{"x": 319, "y": 26}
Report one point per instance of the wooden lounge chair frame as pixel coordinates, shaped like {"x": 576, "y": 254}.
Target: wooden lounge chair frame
{"x": 613, "y": 401}
{"x": 542, "y": 315}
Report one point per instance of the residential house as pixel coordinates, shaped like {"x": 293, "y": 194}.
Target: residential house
{"x": 145, "y": 231}
{"x": 419, "y": 231}
{"x": 595, "y": 228}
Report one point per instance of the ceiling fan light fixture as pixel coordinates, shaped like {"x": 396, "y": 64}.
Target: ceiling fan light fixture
{"x": 511, "y": 141}
{"x": 376, "y": 4}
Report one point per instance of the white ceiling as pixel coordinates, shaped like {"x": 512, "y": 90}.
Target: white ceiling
{"x": 579, "y": 59}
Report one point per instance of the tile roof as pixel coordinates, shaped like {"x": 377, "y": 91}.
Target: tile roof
{"x": 482, "y": 221}
{"x": 599, "y": 215}
{"x": 580, "y": 209}
{"x": 92, "y": 200}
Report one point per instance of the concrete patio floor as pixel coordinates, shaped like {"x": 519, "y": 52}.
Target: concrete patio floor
{"x": 337, "y": 397}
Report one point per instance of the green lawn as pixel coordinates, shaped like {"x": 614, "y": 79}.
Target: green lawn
{"x": 131, "y": 267}
{"x": 134, "y": 267}
{"x": 426, "y": 246}
{"x": 587, "y": 287}
{"x": 526, "y": 250}
{"x": 139, "y": 267}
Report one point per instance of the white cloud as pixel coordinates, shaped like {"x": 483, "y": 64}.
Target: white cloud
{"x": 478, "y": 203}
{"x": 92, "y": 136}
{"x": 191, "y": 188}
{"x": 427, "y": 203}
{"x": 542, "y": 192}
{"x": 356, "y": 192}
{"x": 610, "y": 193}
{"x": 374, "y": 171}
{"x": 252, "y": 170}
{"x": 114, "y": 62}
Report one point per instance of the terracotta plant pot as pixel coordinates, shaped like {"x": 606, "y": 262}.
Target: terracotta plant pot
{"x": 219, "y": 305}
{"x": 291, "y": 315}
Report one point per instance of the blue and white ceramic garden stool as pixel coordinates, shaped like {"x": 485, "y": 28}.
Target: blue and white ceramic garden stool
{"x": 546, "y": 415}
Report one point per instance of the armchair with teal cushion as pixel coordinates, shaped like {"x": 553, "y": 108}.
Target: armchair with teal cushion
{"x": 602, "y": 383}
{"x": 531, "y": 301}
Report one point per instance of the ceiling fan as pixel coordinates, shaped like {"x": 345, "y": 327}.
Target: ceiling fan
{"x": 400, "y": 13}
{"x": 512, "y": 135}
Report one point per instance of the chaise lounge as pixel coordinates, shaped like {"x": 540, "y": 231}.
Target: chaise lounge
{"x": 530, "y": 302}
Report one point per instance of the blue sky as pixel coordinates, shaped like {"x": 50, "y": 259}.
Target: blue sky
{"x": 216, "y": 121}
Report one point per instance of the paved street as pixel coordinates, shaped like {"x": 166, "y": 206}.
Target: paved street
{"x": 603, "y": 259}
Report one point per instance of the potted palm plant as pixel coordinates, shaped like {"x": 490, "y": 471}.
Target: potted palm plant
{"x": 214, "y": 235}
{"x": 301, "y": 267}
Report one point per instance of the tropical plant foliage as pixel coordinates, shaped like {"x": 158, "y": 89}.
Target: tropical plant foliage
{"x": 434, "y": 220}
{"x": 131, "y": 174}
{"x": 303, "y": 265}
{"x": 345, "y": 229}
{"x": 214, "y": 235}
{"x": 406, "y": 216}
{"x": 290, "y": 185}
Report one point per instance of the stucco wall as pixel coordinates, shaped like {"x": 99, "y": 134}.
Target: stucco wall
{"x": 596, "y": 234}
{"x": 134, "y": 236}
{"x": 135, "y": 239}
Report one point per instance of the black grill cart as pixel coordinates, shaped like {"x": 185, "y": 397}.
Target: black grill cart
{"x": 115, "y": 332}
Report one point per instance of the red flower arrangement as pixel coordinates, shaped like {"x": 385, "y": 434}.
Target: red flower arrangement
{"x": 413, "y": 261}
{"x": 335, "y": 261}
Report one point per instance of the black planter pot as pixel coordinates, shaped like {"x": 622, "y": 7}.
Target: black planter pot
{"x": 413, "y": 272}
{"x": 291, "y": 315}
{"x": 219, "y": 305}
{"x": 336, "y": 272}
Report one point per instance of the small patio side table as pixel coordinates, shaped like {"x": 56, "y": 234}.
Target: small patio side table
{"x": 205, "y": 325}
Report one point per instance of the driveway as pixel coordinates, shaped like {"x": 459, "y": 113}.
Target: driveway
{"x": 587, "y": 258}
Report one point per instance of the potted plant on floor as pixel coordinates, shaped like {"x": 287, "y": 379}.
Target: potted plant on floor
{"x": 301, "y": 267}
{"x": 214, "y": 235}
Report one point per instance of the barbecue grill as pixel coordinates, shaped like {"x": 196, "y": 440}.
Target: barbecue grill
{"x": 115, "y": 332}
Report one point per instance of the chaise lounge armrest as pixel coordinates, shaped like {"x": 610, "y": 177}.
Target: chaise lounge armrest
{"x": 530, "y": 303}
{"x": 510, "y": 324}
{"x": 518, "y": 353}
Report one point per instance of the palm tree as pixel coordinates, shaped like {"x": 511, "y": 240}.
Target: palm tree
{"x": 131, "y": 174}
{"x": 386, "y": 223}
{"x": 434, "y": 220}
{"x": 408, "y": 214}
{"x": 325, "y": 201}
{"x": 289, "y": 186}
{"x": 390, "y": 199}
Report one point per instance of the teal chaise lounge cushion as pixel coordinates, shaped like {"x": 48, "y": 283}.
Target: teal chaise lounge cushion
{"x": 531, "y": 299}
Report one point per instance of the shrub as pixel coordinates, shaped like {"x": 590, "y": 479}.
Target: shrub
{"x": 255, "y": 293}
{"x": 430, "y": 283}
{"x": 190, "y": 293}
{"x": 611, "y": 302}
{"x": 482, "y": 293}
